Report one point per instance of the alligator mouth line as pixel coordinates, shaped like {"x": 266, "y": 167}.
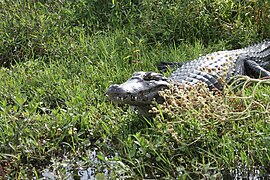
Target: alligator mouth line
{"x": 140, "y": 98}
{"x": 130, "y": 99}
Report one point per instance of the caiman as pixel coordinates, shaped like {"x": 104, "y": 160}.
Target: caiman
{"x": 214, "y": 69}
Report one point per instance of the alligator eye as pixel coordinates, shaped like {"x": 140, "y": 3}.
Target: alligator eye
{"x": 152, "y": 76}
{"x": 147, "y": 76}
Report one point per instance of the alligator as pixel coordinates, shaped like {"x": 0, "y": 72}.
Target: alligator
{"x": 214, "y": 69}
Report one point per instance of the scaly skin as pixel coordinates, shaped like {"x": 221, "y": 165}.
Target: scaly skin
{"x": 214, "y": 69}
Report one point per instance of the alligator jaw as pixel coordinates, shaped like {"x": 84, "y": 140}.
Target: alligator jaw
{"x": 140, "y": 90}
{"x": 135, "y": 99}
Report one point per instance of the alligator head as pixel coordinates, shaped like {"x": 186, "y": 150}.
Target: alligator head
{"x": 140, "y": 90}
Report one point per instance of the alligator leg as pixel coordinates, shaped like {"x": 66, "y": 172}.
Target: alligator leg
{"x": 165, "y": 66}
{"x": 252, "y": 65}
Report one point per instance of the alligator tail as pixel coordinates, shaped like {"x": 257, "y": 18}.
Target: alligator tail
{"x": 262, "y": 54}
{"x": 259, "y": 48}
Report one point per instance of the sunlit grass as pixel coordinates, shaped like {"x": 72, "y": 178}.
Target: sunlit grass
{"x": 59, "y": 59}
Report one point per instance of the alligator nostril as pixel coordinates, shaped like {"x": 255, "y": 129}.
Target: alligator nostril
{"x": 115, "y": 89}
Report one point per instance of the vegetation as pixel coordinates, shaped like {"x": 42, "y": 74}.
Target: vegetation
{"x": 59, "y": 57}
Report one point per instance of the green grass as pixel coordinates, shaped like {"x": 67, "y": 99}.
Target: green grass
{"x": 58, "y": 59}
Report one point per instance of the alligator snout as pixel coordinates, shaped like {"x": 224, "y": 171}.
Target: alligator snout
{"x": 139, "y": 90}
{"x": 115, "y": 89}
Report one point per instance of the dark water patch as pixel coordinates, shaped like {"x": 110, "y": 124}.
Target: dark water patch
{"x": 98, "y": 167}
{"x": 111, "y": 167}
{"x": 257, "y": 172}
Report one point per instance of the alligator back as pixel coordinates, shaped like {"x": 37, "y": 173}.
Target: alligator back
{"x": 216, "y": 68}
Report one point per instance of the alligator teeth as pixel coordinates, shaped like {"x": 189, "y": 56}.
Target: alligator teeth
{"x": 133, "y": 98}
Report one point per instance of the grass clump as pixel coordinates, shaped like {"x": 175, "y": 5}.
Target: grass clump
{"x": 38, "y": 29}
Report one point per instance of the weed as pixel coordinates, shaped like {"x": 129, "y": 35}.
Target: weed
{"x": 58, "y": 58}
